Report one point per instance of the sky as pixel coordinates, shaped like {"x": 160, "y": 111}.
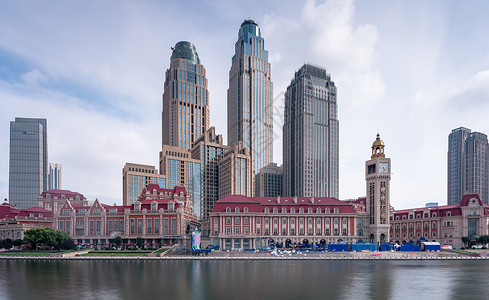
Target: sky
{"x": 409, "y": 70}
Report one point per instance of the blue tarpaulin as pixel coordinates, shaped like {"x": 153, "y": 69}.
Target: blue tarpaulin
{"x": 338, "y": 247}
{"x": 361, "y": 247}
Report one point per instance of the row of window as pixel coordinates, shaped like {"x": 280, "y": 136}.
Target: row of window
{"x": 425, "y": 215}
{"x": 284, "y": 210}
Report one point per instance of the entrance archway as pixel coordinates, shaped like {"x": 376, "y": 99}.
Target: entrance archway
{"x": 372, "y": 238}
{"x": 382, "y": 238}
{"x": 287, "y": 243}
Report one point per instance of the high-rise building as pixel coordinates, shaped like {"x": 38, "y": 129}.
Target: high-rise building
{"x": 185, "y": 115}
{"x": 311, "y": 135}
{"x": 209, "y": 149}
{"x": 456, "y": 164}
{"x": 136, "y": 177}
{"x": 268, "y": 182}
{"x": 235, "y": 172}
{"x": 250, "y": 102}
{"x": 468, "y": 165}
{"x": 55, "y": 176}
{"x": 181, "y": 169}
{"x": 477, "y": 165}
{"x": 28, "y": 164}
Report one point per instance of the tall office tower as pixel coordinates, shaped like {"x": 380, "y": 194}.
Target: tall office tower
{"x": 456, "y": 164}
{"x": 209, "y": 149}
{"x": 28, "y": 169}
{"x": 477, "y": 165}
{"x": 250, "y": 103}
{"x": 135, "y": 177}
{"x": 55, "y": 176}
{"x": 311, "y": 135}
{"x": 181, "y": 169}
{"x": 468, "y": 165}
{"x": 268, "y": 182}
{"x": 235, "y": 172}
{"x": 185, "y": 115}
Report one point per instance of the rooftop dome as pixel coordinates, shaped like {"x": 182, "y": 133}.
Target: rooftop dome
{"x": 378, "y": 142}
{"x": 186, "y": 50}
{"x": 378, "y": 148}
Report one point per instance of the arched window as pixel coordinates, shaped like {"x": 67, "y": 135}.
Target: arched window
{"x": 245, "y": 209}
{"x": 228, "y": 209}
{"x": 335, "y": 210}
{"x": 318, "y": 210}
{"x": 48, "y": 196}
{"x": 153, "y": 206}
{"x": 360, "y": 232}
{"x": 284, "y": 210}
{"x": 292, "y": 210}
{"x": 327, "y": 210}
{"x": 309, "y": 210}
{"x": 301, "y": 210}
{"x": 266, "y": 210}
{"x": 154, "y": 191}
{"x": 236, "y": 209}
{"x": 275, "y": 210}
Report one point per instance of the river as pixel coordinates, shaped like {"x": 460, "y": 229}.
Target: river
{"x": 237, "y": 279}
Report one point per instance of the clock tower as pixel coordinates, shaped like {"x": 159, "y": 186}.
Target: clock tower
{"x": 378, "y": 176}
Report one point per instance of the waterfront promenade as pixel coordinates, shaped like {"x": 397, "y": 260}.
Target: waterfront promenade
{"x": 262, "y": 255}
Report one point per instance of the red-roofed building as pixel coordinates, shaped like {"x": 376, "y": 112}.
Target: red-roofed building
{"x": 160, "y": 216}
{"x": 239, "y": 222}
{"x": 444, "y": 224}
{"x": 14, "y": 222}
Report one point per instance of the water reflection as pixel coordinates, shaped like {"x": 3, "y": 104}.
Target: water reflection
{"x": 242, "y": 279}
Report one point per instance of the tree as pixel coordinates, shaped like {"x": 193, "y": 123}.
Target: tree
{"x": 465, "y": 240}
{"x": 118, "y": 241}
{"x": 483, "y": 239}
{"x": 139, "y": 242}
{"x": 17, "y": 243}
{"x": 48, "y": 237}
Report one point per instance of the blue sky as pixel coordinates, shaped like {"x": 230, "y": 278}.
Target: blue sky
{"x": 412, "y": 70}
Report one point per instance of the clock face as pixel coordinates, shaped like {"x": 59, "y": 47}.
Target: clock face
{"x": 383, "y": 167}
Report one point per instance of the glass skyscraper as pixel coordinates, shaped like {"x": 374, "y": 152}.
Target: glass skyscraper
{"x": 28, "y": 164}
{"x": 185, "y": 115}
{"x": 311, "y": 135}
{"x": 250, "y": 103}
{"x": 468, "y": 165}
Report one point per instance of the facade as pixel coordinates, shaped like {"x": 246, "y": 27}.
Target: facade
{"x": 14, "y": 222}
{"x": 55, "y": 176}
{"x": 378, "y": 177}
{"x": 185, "y": 115}
{"x": 28, "y": 163}
{"x": 311, "y": 135}
{"x": 239, "y": 222}
{"x": 468, "y": 165}
{"x": 181, "y": 170}
{"x": 250, "y": 97}
{"x": 209, "y": 150}
{"x": 135, "y": 177}
{"x": 235, "y": 172}
{"x": 161, "y": 216}
{"x": 268, "y": 182}
{"x": 444, "y": 224}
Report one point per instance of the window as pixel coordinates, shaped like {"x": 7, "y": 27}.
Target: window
{"x": 236, "y": 209}
{"x": 335, "y": 210}
{"x": 228, "y": 220}
{"x": 173, "y": 226}
{"x": 245, "y": 220}
{"x": 132, "y": 226}
{"x": 157, "y": 226}
{"x": 61, "y": 225}
{"x": 90, "y": 227}
{"x": 228, "y": 209}
{"x": 149, "y": 223}
{"x": 318, "y": 210}
{"x": 426, "y": 215}
{"x": 236, "y": 220}
{"x": 245, "y": 209}
{"x": 266, "y": 210}
{"x": 98, "y": 227}
{"x": 166, "y": 226}
{"x": 292, "y": 210}
{"x": 284, "y": 210}
{"x": 449, "y": 214}
{"x": 153, "y": 206}
{"x": 67, "y": 226}
{"x": 301, "y": 210}
{"x": 275, "y": 210}
{"x": 111, "y": 226}
{"x": 344, "y": 231}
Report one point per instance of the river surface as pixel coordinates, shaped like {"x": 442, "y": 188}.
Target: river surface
{"x": 234, "y": 279}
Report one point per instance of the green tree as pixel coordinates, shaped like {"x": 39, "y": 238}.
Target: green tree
{"x": 465, "y": 240}
{"x": 483, "y": 239}
{"x": 139, "y": 242}
{"x": 17, "y": 243}
{"x": 118, "y": 241}
{"x": 48, "y": 237}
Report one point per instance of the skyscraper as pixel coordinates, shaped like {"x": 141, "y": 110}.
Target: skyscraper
{"x": 185, "y": 115}
{"x": 55, "y": 176}
{"x": 250, "y": 103}
{"x": 268, "y": 182}
{"x": 28, "y": 167}
{"x": 456, "y": 164}
{"x": 234, "y": 172}
{"x": 311, "y": 135}
{"x": 136, "y": 177}
{"x": 468, "y": 165}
